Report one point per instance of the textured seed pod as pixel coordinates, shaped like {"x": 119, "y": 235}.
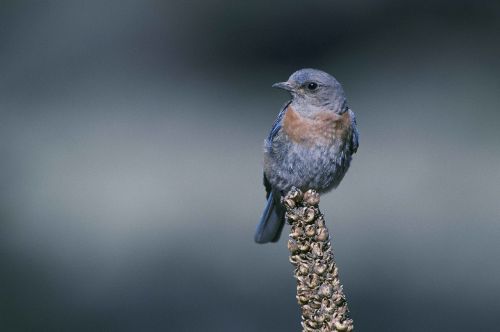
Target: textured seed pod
{"x": 310, "y": 230}
{"x": 303, "y": 290}
{"x": 296, "y": 231}
{"x": 326, "y": 290}
{"x": 319, "y": 319}
{"x": 314, "y": 304}
{"x": 293, "y": 247}
{"x": 304, "y": 246}
{"x": 306, "y": 328}
{"x": 303, "y": 269}
{"x": 307, "y": 311}
{"x": 312, "y": 323}
{"x": 289, "y": 203}
{"x": 302, "y": 299}
{"x": 311, "y": 198}
{"x": 314, "y": 281}
{"x": 340, "y": 327}
{"x": 295, "y": 194}
{"x": 294, "y": 259}
{"x": 319, "y": 292}
{"x": 309, "y": 215}
{"x": 291, "y": 217}
{"x": 322, "y": 234}
{"x": 339, "y": 300}
{"x": 325, "y": 328}
{"x": 320, "y": 221}
{"x": 316, "y": 249}
{"x": 319, "y": 268}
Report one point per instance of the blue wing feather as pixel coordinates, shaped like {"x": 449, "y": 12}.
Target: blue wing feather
{"x": 355, "y": 133}
{"x": 277, "y": 123}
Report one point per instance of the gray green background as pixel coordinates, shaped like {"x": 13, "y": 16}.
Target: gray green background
{"x": 131, "y": 148}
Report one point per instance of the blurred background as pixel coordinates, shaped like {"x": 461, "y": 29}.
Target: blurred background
{"x": 131, "y": 138}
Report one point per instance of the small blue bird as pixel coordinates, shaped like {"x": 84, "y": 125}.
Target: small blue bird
{"x": 310, "y": 145}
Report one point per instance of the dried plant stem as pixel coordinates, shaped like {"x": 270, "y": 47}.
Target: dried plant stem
{"x": 319, "y": 292}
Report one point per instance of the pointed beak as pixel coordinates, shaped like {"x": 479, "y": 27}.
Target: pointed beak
{"x": 283, "y": 85}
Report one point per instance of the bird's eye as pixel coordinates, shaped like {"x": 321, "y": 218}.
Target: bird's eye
{"x": 312, "y": 86}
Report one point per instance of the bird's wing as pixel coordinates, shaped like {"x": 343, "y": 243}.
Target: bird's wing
{"x": 269, "y": 141}
{"x": 278, "y": 122}
{"x": 355, "y": 133}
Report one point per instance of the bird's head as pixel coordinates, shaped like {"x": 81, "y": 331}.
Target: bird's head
{"x": 312, "y": 88}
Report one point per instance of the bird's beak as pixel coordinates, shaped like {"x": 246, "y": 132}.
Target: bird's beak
{"x": 283, "y": 85}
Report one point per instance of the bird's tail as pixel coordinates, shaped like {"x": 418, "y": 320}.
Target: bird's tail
{"x": 272, "y": 221}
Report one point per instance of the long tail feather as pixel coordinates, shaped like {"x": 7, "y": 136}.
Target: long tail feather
{"x": 271, "y": 223}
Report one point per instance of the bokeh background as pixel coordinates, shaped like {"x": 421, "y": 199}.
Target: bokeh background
{"x": 131, "y": 148}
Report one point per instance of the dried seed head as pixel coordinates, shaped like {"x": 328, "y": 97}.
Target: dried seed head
{"x": 311, "y": 197}
{"x": 312, "y": 324}
{"x": 319, "y": 268}
{"x": 340, "y": 327}
{"x": 307, "y": 311}
{"x": 296, "y": 231}
{"x": 307, "y": 328}
{"x": 320, "y": 319}
{"x": 293, "y": 246}
{"x": 325, "y": 328}
{"x": 322, "y": 234}
{"x": 304, "y": 246}
{"x": 320, "y": 221}
{"x": 291, "y": 217}
{"x": 329, "y": 308}
{"x": 294, "y": 259}
{"x": 309, "y": 215}
{"x": 303, "y": 290}
{"x": 316, "y": 249}
{"x": 326, "y": 290}
{"x": 313, "y": 281}
{"x": 302, "y": 299}
{"x": 303, "y": 269}
{"x": 326, "y": 304}
{"x": 288, "y": 203}
{"x": 310, "y": 230}
{"x": 315, "y": 305}
{"x": 319, "y": 292}
{"x": 295, "y": 194}
{"x": 339, "y": 300}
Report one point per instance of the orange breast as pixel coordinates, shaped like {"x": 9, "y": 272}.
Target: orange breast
{"x": 323, "y": 128}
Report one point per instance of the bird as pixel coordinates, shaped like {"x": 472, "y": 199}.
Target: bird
{"x": 310, "y": 145}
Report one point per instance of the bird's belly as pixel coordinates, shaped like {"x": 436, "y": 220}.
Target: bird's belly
{"x": 318, "y": 167}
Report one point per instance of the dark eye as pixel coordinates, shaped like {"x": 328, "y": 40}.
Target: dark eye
{"x": 312, "y": 86}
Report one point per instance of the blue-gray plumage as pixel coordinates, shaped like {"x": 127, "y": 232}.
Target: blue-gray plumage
{"x": 310, "y": 144}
